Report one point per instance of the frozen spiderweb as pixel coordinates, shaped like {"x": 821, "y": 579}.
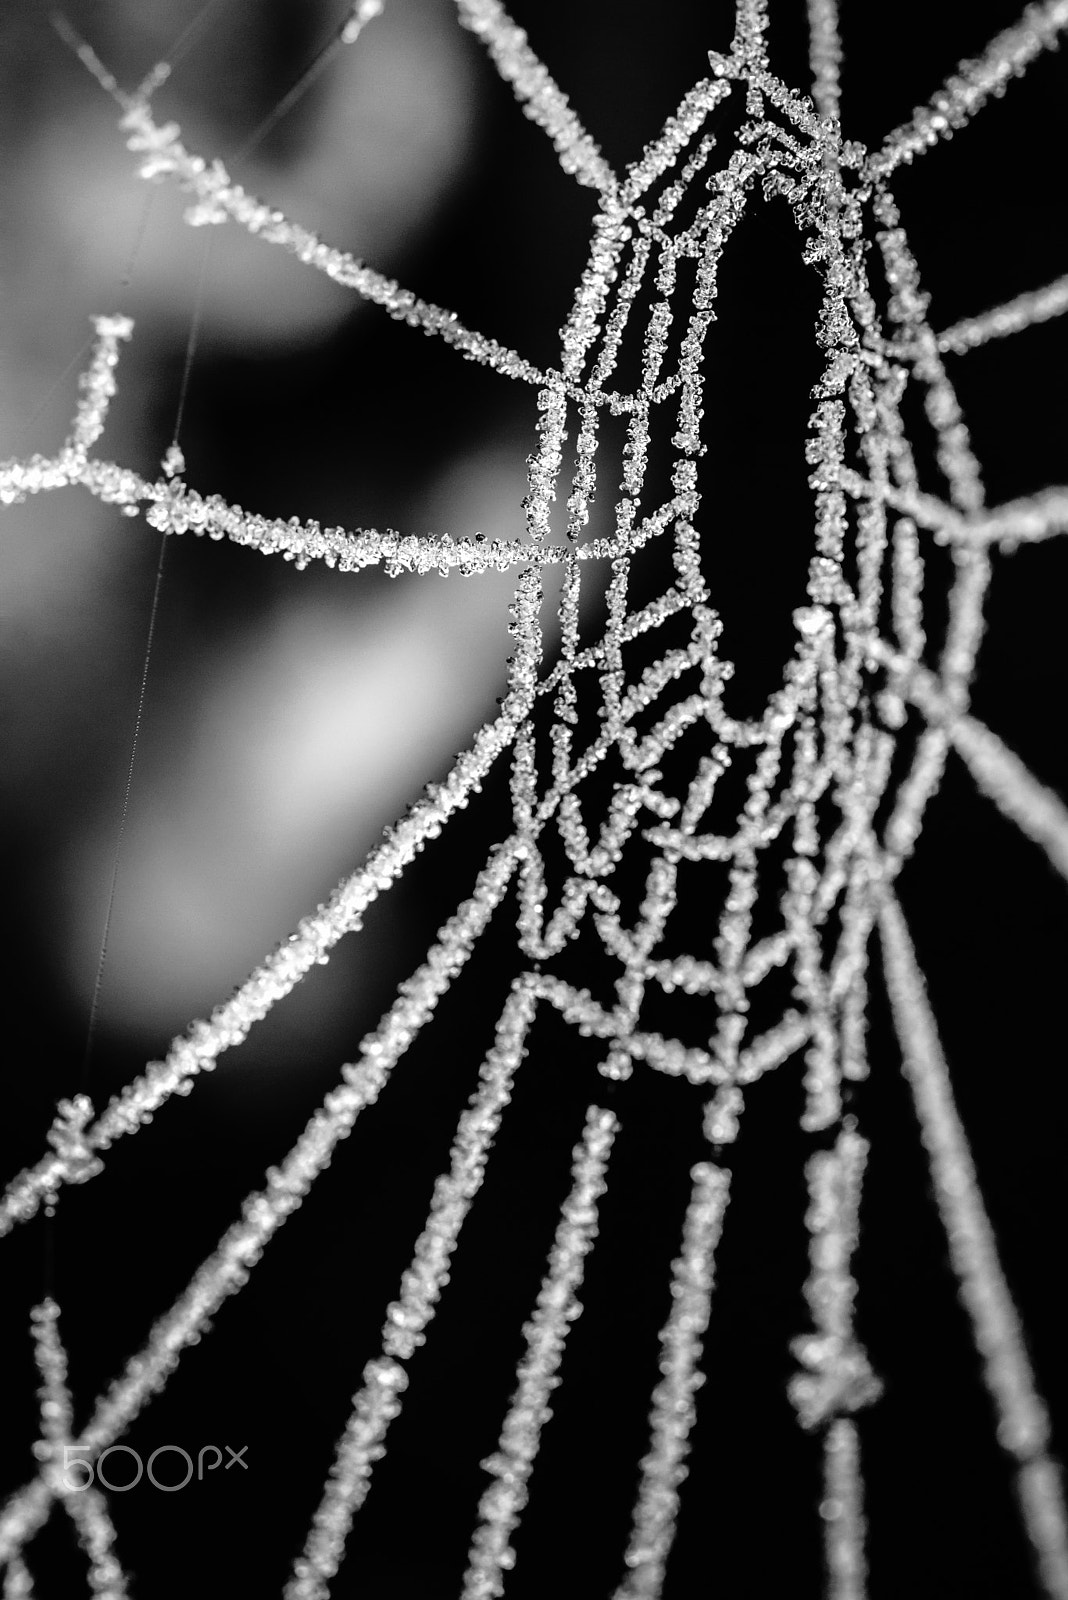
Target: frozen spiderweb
{"x": 823, "y": 745}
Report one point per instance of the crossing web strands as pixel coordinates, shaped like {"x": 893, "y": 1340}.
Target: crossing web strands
{"x": 828, "y": 745}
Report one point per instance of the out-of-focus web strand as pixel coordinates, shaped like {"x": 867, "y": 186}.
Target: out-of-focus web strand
{"x": 18, "y": 1585}
{"x": 541, "y": 99}
{"x": 673, "y": 1408}
{"x": 1023, "y": 1425}
{"x": 1007, "y": 56}
{"x": 178, "y": 508}
{"x": 545, "y": 1336}
{"x": 836, "y": 1379}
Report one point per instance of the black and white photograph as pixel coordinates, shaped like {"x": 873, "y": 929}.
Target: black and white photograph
{"x": 534, "y": 607}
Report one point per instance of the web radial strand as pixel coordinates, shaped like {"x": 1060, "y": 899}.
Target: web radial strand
{"x": 1037, "y": 305}
{"x": 84, "y": 1504}
{"x": 385, "y": 1379}
{"x": 502, "y": 1504}
{"x": 178, "y": 508}
{"x": 843, "y": 1513}
{"x": 198, "y": 1050}
{"x": 750, "y": 28}
{"x": 363, "y": 12}
{"x": 1026, "y": 521}
{"x": 959, "y": 466}
{"x": 836, "y": 1379}
{"x": 1006, "y": 57}
{"x": 542, "y": 101}
{"x": 673, "y": 1409}
{"x": 999, "y": 773}
{"x": 1023, "y": 1424}
{"x": 217, "y": 199}
{"x": 53, "y": 1393}
{"x": 822, "y": 693}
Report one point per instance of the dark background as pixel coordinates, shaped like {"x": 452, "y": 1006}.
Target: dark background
{"x": 274, "y": 431}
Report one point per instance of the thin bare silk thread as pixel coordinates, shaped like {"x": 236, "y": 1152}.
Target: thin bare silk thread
{"x": 314, "y": 70}
{"x": 187, "y": 367}
{"x": 193, "y": 340}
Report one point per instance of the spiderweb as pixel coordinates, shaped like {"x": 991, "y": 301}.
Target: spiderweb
{"x": 827, "y": 788}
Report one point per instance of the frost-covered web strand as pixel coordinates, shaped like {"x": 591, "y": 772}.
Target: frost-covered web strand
{"x": 542, "y": 101}
{"x": 1026, "y": 521}
{"x": 1007, "y": 56}
{"x": 172, "y": 506}
{"x": 674, "y": 1410}
{"x": 199, "y": 1049}
{"x": 98, "y": 979}
{"x": 87, "y": 56}
{"x": 837, "y": 1379}
{"x": 177, "y": 508}
{"x": 223, "y": 1274}
{"x": 18, "y": 1585}
{"x": 218, "y": 199}
{"x": 998, "y": 772}
{"x": 1023, "y": 1424}
{"x": 845, "y": 1527}
{"x": 1037, "y": 305}
{"x": 662, "y": 152}
{"x": 1001, "y": 775}
{"x": 227, "y": 1270}
{"x": 825, "y": 55}
{"x": 812, "y": 749}
{"x": 384, "y": 1379}
{"x": 51, "y": 1359}
{"x": 750, "y": 30}
{"x": 957, "y": 461}
{"x": 98, "y": 388}
{"x": 558, "y": 1305}
{"x": 363, "y": 12}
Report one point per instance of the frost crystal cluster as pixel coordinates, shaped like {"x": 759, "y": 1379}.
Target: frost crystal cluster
{"x": 824, "y": 746}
